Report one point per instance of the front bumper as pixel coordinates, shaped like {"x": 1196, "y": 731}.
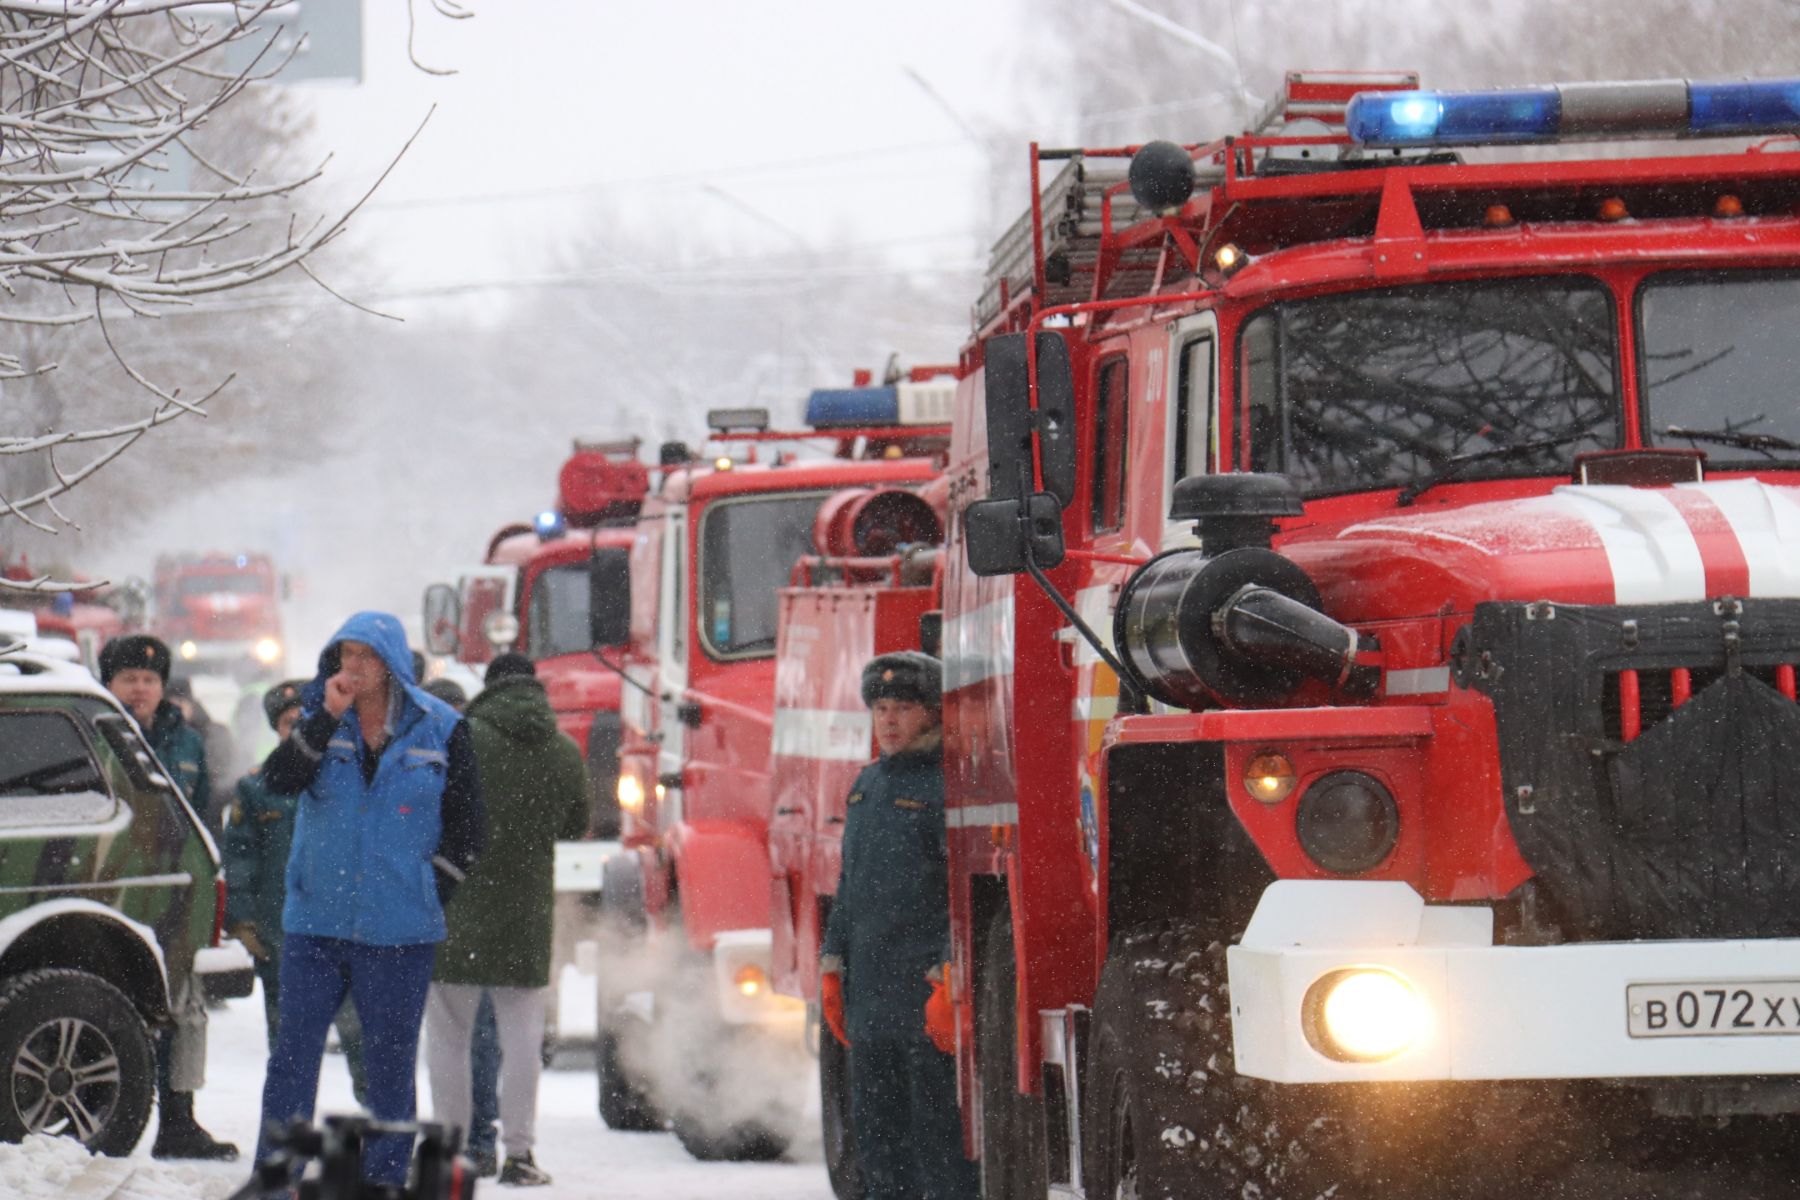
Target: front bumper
{"x": 1496, "y": 1012}
{"x": 741, "y": 975}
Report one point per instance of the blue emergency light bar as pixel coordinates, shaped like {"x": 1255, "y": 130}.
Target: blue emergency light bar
{"x": 839, "y": 408}
{"x": 549, "y": 524}
{"x": 1662, "y": 108}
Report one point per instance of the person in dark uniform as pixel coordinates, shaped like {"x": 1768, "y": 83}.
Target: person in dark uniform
{"x": 135, "y": 669}
{"x": 887, "y": 935}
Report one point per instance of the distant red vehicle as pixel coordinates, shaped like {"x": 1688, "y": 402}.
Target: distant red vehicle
{"x": 716, "y": 542}
{"x": 530, "y": 594}
{"x": 219, "y": 612}
{"x": 872, "y": 586}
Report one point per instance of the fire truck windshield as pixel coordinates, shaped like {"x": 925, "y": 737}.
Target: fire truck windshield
{"x": 748, "y": 547}
{"x": 556, "y": 621}
{"x": 242, "y": 584}
{"x": 1718, "y": 364}
{"x": 1383, "y": 388}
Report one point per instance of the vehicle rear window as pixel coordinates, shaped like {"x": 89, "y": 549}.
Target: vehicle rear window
{"x": 47, "y": 772}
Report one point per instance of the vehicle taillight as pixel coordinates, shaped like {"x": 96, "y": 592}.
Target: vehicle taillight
{"x": 218, "y": 909}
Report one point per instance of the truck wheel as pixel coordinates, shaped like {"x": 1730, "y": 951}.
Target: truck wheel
{"x": 1165, "y": 1112}
{"x": 1012, "y": 1127}
{"x": 77, "y": 1061}
{"x": 834, "y": 1119}
{"x": 749, "y": 1141}
{"x": 624, "y": 1106}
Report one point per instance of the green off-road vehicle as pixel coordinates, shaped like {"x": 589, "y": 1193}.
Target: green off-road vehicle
{"x": 110, "y": 892}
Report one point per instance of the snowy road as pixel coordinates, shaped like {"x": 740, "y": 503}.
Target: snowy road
{"x": 589, "y": 1161}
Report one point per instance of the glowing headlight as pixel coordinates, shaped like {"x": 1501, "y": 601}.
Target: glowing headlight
{"x": 189, "y": 650}
{"x": 631, "y": 793}
{"x": 1364, "y": 1014}
{"x": 267, "y": 651}
{"x": 1269, "y": 778}
{"x": 749, "y": 981}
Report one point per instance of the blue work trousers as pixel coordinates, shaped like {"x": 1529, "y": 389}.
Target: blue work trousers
{"x": 908, "y": 1128}
{"x": 484, "y": 1076}
{"x": 387, "y": 985}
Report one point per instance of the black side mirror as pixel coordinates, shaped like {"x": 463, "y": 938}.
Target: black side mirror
{"x": 1056, "y": 417}
{"x": 442, "y": 610}
{"x": 1013, "y": 425}
{"x": 931, "y": 632}
{"x": 1001, "y": 533}
{"x": 609, "y": 596}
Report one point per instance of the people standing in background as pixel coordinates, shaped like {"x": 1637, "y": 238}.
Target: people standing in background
{"x": 220, "y": 749}
{"x": 259, "y": 834}
{"x": 886, "y": 939}
{"x": 481, "y": 1145}
{"x": 389, "y": 821}
{"x": 536, "y": 787}
{"x": 136, "y": 670}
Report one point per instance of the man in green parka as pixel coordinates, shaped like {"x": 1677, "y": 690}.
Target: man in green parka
{"x": 536, "y": 788}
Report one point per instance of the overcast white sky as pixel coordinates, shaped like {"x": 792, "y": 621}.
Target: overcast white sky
{"x": 772, "y": 123}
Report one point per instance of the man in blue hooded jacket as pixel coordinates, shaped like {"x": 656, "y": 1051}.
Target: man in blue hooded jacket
{"x": 390, "y": 819}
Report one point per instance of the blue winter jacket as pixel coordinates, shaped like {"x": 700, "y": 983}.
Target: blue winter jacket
{"x": 375, "y": 833}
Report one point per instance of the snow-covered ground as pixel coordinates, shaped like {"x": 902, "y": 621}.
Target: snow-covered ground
{"x": 587, "y": 1159}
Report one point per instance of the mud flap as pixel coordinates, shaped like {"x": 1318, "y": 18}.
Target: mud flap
{"x": 187, "y": 1047}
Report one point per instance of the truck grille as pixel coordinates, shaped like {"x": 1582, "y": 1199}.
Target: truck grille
{"x": 1636, "y": 700}
{"x": 1650, "y": 758}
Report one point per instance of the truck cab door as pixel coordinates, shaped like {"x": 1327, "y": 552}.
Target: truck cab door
{"x": 1192, "y": 445}
{"x": 672, "y": 645}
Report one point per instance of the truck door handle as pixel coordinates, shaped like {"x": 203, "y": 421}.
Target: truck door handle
{"x": 786, "y": 812}
{"x": 834, "y": 820}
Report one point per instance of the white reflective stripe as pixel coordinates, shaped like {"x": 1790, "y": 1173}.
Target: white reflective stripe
{"x": 1654, "y": 556}
{"x": 978, "y": 645}
{"x": 428, "y": 755}
{"x": 823, "y": 733}
{"x": 1766, "y": 521}
{"x": 1096, "y": 708}
{"x": 1095, "y": 605}
{"x": 981, "y": 814}
{"x": 1417, "y": 681}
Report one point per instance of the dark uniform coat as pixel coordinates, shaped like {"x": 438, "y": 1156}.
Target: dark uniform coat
{"x": 180, "y": 748}
{"x": 536, "y": 789}
{"x": 259, "y": 833}
{"x": 890, "y": 922}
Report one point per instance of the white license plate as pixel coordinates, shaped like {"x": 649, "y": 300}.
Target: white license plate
{"x": 1713, "y": 1009}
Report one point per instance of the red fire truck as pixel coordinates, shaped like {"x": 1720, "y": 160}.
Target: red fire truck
{"x": 220, "y": 612}
{"x": 531, "y": 595}
{"x": 1370, "y": 621}
{"x": 690, "y": 1026}
{"x": 871, "y": 586}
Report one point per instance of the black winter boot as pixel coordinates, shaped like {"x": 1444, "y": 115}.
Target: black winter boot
{"x": 178, "y": 1135}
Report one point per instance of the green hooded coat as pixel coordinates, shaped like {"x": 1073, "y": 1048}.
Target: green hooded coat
{"x": 535, "y": 785}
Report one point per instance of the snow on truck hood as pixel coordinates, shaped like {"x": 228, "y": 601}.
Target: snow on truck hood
{"x": 1578, "y": 545}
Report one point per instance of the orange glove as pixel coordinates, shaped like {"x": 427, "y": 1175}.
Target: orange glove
{"x": 940, "y": 1015}
{"x": 831, "y": 1005}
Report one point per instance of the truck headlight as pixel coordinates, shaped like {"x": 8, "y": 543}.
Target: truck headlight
{"x": 750, "y": 980}
{"x": 1348, "y": 822}
{"x": 267, "y": 651}
{"x": 189, "y": 650}
{"x": 630, "y": 791}
{"x": 1364, "y": 1014}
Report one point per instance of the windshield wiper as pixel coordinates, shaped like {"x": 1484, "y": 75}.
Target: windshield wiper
{"x": 1453, "y": 465}
{"x": 1768, "y": 443}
